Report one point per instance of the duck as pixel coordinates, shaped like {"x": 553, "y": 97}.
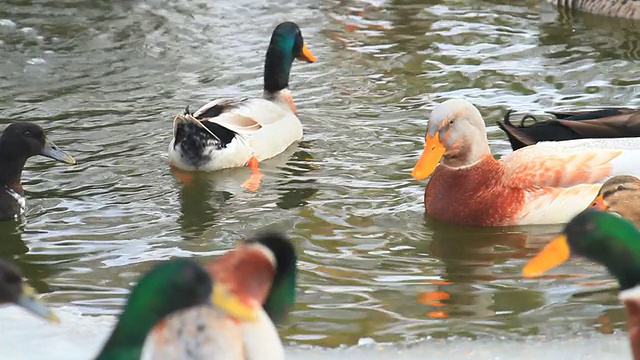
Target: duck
{"x": 615, "y": 8}
{"x": 14, "y": 291}
{"x": 20, "y": 141}
{"x": 571, "y": 125}
{"x": 261, "y": 272}
{"x": 168, "y": 287}
{"x": 605, "y": 238}
{"x": 545, "y": 183}
{"x": 227, "y": 133}
{"x": 621, "y": 195}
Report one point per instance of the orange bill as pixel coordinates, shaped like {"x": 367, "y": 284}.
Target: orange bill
{"x": 554, "y": 254}
{"x": 306, "y": 54}
{"x": 433, "y": 152}
{"x": 598, "y": 203}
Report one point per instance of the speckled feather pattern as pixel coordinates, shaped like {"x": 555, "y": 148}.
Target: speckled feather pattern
{"x": 629, "y": 9}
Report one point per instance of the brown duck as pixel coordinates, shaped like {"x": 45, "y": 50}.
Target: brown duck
{"x": 571, "y": 125}
{"x": 620, "y": 194}
{"x": 628, "y": 9}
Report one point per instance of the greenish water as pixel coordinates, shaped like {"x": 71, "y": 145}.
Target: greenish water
{"x": 106, "y": 77}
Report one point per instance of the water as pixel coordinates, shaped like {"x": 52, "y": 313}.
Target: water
{"x": 106, "y": 78}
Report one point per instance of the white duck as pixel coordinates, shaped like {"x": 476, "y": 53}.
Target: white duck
{"x": 227, "y": 133}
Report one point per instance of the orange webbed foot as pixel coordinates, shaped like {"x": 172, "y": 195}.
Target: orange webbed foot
{"x": 253, "y": 183}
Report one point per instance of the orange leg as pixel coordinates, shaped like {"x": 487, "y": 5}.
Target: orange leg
{"x": 181, "y": 175}
{"x": 253, "y": 183}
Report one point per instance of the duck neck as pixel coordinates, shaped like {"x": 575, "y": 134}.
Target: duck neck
{"x": 128, "y": 337}
{"x": 11, "y": 165}
{"x": 277, "y": 67}
{"x": 464, "y": 153}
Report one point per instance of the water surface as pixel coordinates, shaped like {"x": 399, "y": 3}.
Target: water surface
{"x": 105, "y": 79}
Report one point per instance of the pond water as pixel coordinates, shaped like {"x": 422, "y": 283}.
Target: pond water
{"x": 105, "y": 79}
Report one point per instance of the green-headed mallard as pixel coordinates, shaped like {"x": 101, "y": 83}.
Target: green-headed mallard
{"x": 169, "y": 287}
{"x": 228, "y": 133}
{"x": 14, "y": 290}
{"x": 260, "y": 272}
{"x": 610, "y": 240}
{"x": 18, "y": 142}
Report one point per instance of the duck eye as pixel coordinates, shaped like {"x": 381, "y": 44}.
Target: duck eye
{"x": 620, "y": 188}
{"x": 27, "y": 133}
{"x": 451, "y": 122}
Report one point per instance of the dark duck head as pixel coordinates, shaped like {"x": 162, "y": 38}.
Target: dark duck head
{"x": 285, "y": 46}
{"x": 18, "y": 142}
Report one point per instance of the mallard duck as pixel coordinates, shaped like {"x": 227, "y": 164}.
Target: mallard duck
{"x": 227, "y": 133}
{"x": 14, "y": 290}
{"x": 609, "y": 240}
{"x": 621, "y": 195}
{"x": 546, "y": 183}
{"x": 18, "y": 142}
{"x": 260, "y": 272}
{"x": 571, "y": 125}
{"x": 628, "y": 9}
{"x": 168, "y": 287}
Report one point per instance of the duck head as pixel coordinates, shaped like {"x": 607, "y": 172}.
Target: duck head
{"x": 286, "y": 45}
{"x": 620, "y": 194}
{"x": 22, "y": 140}
{"x": 456, "y": 135}
{"x": 599, "y": 236}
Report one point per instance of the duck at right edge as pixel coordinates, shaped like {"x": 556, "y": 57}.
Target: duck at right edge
{"x": 610, "y": 240}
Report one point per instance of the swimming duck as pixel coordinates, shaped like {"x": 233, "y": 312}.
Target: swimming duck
{"x": 546, "y": 183}
{"x": 228, "y": 133}
{"x": 168, "y": 287}
{"x": 261, "y": 273}
{"x": 18, "y": 142}
{"x": 621, "y": 195}
{"x": 615, "y": 8}
{"x": 571, "y": 125}
{"x": 14, "y": 290}
{"x": 609, "y": 240}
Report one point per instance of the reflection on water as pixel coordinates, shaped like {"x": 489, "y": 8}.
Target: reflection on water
{"x": 106, "y": 79}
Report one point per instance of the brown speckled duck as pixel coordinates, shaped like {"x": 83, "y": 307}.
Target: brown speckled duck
{"x": 621, "y": 195}
{"x": 628, "y": 9}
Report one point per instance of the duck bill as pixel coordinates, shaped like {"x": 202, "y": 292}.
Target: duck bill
{"x": 306, "y": 55}
{"x": 50, "y": 150}
{"x": 431, "y": 156}
{"x": 28, "y": 301}
{"x": 232, "y": 305}
{"x": 598, "y": 203}
{"x": 554, "y": 254}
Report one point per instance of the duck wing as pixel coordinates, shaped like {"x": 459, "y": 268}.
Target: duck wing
{"x": 608, "y": 123}
{"x": 571, "y": 125}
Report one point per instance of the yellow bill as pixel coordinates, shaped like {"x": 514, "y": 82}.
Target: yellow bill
{"x": 431, "y": 156}
{"x": 231, "y": 304}
{"x": 28, "y": 301}
{"x": 554, "y": 254}
{"x": 306, "y": 54}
